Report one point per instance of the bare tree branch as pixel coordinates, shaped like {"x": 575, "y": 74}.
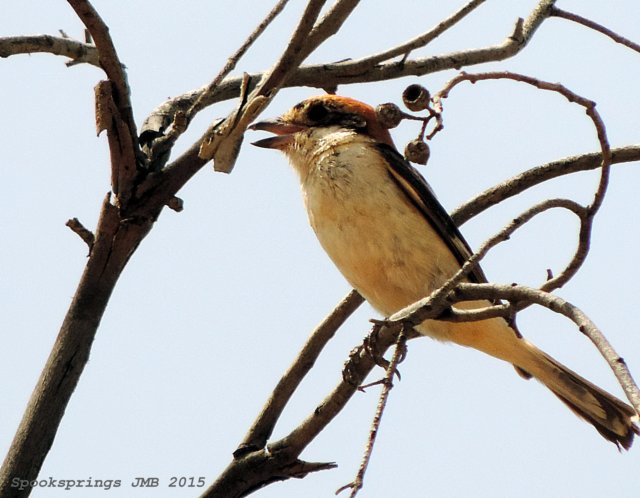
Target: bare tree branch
{"x": 519, "y": 293}
{"x": 590, "y": 108}
{"x": 224, "y": 143}
{"x": 399, "y": 354}
{"x": 419, "y": 41}
{"x": 331, "y": 22}
{"x": 570, "y": 16}
{"x": 77, "y": 51}
{"x": 328, "y": 76}
{"x": 114, "y": 243}
{"x": 233, "y": 60}
{"x": 115, "y": 99}
{"x": 240, "y": 477}
{"x": 257, "y": 470}
{"x": 262, "y": 428}
{"x": 535, "y": 176}
{"x": 108, "y": 57}
{"x": 156, "y": 143}
{"x": 298, "y": 49}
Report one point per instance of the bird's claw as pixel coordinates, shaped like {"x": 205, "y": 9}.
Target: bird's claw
{"x": 369, "y": 347}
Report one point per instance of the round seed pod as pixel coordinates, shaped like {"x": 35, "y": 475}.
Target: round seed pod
{"x": 417, "y": 151}
{"x": 389, "y": 115}
{"x": 416, "y": 98}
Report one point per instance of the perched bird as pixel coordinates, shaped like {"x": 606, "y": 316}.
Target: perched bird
{"x": 381, "y": 224}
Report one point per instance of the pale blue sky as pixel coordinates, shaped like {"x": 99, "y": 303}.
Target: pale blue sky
{"x": 219, "y": 298}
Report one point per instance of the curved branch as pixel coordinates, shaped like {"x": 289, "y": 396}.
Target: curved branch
{"x": 570, "y": 16}
{"x": 535, "y": 176}
{"x": 519, "y": 294}
{"x": 591, "y": 111}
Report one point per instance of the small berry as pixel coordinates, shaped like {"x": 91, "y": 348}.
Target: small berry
{"x": 416, "y": 98}
{"x": 389, "y": 115}
{"x": 417, "y": 151}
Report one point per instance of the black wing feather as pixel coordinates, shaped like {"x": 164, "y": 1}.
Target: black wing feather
{"x": 413, "y": 184}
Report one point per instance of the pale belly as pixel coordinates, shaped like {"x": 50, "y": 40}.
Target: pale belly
{"x": 378, "y": 240}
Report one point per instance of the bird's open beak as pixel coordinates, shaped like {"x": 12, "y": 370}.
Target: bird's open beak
{"x": 284, "y": 133}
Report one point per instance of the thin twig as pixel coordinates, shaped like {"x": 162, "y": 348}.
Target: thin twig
{"x": 331, "y": 22}
{"x": 85, "y": 234}
{"x": 570, "y": 16}
{"x": 223, "y": 145}
{"x": 297, "y": 50}
{"x": 233, "y": 60}
{"x": 387, "y": 384}
{"x": 419, "y": 41}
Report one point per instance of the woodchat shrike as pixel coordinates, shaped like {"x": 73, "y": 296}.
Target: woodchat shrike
{"x": 381, "y": 224}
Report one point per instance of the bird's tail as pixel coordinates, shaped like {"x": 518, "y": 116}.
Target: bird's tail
{"x": 612, "y": 418}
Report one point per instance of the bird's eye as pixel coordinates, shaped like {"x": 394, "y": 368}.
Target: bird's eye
{"x": 317, "y": 112}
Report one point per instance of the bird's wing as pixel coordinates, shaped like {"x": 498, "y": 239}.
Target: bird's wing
{"x": 416, "y": 188}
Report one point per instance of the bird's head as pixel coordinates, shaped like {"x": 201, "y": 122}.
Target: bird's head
{"x": 313, "y": 118}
